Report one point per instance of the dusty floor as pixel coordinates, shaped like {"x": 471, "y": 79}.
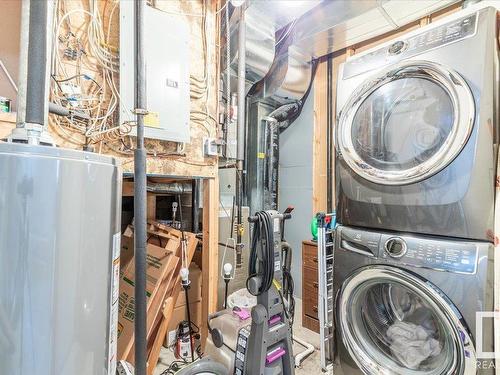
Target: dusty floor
{"x": 310, "y": 366}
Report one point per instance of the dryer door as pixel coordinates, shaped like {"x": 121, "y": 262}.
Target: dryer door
{"x": 392, "y": 322}
{"x": 406, "y": 124}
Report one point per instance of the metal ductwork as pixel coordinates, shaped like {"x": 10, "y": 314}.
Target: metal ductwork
{"x": 333, "y": 25}
{"x": 282, "y": 77}
{"x": 288, "y": 79}
{"x": 259, "y": 47}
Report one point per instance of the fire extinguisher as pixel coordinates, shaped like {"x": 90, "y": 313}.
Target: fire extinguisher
{"x": 184, "y": 342}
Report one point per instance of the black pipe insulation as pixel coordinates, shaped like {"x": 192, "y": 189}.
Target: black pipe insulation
{"x": 140, "y": 192}
{"x": 37, "y": 63}
{"x": 195, "y": 206}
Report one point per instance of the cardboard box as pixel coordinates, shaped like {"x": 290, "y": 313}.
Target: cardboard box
{"x": 158, "y": 261}
{"x": 194, "y": 291}
{"x": 178, "y": 315}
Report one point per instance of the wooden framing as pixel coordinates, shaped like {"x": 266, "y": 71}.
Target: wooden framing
{"x": 210, "y": 254}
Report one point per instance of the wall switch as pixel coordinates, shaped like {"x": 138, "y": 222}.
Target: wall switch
{"x": 210, "y": 147}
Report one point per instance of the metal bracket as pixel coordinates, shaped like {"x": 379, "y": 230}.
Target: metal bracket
{"x": 140, "y": 111}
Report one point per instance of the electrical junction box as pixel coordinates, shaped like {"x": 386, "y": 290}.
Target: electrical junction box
{"x": 167, "y": 57}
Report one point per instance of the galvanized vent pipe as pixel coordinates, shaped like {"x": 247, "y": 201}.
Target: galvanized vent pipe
{"x": 140, "y": 191}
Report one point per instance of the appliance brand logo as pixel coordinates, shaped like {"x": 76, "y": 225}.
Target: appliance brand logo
{"x": 487, "y": 323}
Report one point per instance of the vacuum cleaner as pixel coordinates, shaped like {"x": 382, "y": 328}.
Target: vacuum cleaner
{"x": 260, "y": 341}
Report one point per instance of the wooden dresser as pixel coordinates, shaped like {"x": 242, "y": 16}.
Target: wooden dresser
{"x": 310, "y": 285}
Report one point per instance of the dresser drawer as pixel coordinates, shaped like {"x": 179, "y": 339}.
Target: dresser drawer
{"x": 310, "y": 256}
{"x": 310, "y": 302}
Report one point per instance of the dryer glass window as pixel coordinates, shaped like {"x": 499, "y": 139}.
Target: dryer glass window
{"x": 402, "y": 123}
{"x": 400, "y": 330}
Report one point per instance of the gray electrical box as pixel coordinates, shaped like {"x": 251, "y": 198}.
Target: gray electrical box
{"x": 167, "y": 72}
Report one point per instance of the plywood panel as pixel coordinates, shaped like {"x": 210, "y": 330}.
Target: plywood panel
{"x": 164, "y": 158}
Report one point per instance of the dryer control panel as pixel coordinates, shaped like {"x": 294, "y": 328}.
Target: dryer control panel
{"x": 427, "y": 252}
{"x": 439, "y": 36}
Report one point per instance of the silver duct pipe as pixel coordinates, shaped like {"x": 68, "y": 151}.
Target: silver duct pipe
{"x": 140, "y": 186}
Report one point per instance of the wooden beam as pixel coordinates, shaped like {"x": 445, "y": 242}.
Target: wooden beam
{"x": 151, "y": 204}
{"x": 7, "y": 123}
{"x": 319, "y": 139}
{"x": 128, "y": 189}
{"x": 210, "y": 255}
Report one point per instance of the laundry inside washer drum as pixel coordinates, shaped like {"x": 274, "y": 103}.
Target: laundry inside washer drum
{"x": 401, "y": 331}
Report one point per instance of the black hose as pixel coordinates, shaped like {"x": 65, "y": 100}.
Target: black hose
{"x": 225, "y": 292}
{"x": 262, "y": 239}
{"x": 188, "y": 310}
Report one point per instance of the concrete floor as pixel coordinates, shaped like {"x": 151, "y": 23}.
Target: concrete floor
{"x": 311, "y": 365}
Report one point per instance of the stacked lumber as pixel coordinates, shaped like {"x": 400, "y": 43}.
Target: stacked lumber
{"x": 164, "y": 254}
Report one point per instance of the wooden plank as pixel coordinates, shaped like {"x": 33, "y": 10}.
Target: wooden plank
{"x": 7, "y": 123}
{"x": 210, "y": 255}
{"x": 319, "y": 179}
{"x": 151, "y": 206}
{"x": 128, "y": 189}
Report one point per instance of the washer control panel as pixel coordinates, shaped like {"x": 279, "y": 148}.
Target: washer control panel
{"x": 418, "y": 251}
{"x": 453, "y": 256}
{"x": 439, "y": 36}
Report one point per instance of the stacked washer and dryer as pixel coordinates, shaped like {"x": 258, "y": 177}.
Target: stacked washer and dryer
{"x": 417, "y": 140}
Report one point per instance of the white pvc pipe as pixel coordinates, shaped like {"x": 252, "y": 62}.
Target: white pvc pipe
{"x": 306, "y": 353}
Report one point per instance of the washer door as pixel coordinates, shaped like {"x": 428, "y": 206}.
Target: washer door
{"x": 392, "y": 322}
{"x": 407, "y": 123}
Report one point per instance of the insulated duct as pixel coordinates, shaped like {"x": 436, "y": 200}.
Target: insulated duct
{"x": 37, "y": 63}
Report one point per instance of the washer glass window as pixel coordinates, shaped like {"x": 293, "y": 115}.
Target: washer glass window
{"x": 401, "y": 330}
{"x": 393, "y": 323}
{"x": 402, "y": 124}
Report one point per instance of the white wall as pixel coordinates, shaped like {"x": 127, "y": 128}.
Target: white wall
{"x": 296, "y": 150}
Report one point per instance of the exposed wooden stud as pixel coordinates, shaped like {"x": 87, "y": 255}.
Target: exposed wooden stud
{"x": 319, "y": 139}
{"x": 210, "y": 255}
{"x": 151, "y": 203}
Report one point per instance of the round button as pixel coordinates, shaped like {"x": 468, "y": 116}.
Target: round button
{"x": 395, "y": 247}
{"x": 397, "y": 47}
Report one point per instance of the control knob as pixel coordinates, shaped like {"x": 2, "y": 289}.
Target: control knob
{"x": 395, "y": 247}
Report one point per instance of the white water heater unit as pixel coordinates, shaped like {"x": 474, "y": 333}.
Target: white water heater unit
{"x": 59, "y": 261}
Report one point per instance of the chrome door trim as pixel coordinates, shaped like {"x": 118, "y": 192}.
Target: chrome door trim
{"x": 463, "y": 121}
{"x": 464, "y": 364}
